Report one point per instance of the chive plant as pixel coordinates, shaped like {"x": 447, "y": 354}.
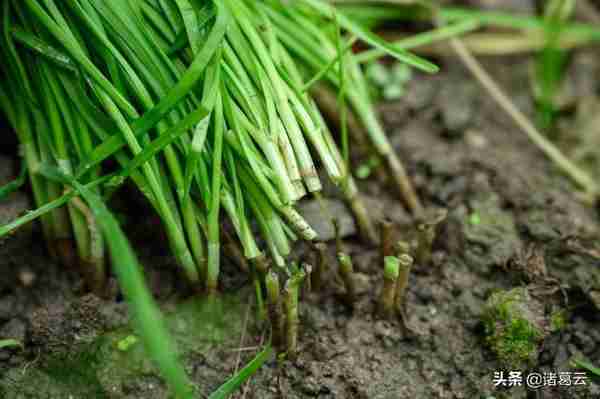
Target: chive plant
{"x": 88, "y": 81}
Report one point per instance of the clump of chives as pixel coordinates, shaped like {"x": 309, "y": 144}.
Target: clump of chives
{"x": 245, "y": 156}
{"x": 391, "y": 269}
{"x": 205, "y": 109}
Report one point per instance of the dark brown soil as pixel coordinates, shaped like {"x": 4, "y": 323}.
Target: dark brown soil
{"x": 514, "y": 221}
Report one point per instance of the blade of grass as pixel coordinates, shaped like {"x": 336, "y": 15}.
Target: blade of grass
{"x": 422, "y": 39}
{"x": 513, "y": 21}
{"x": 368, "y": 37}
{"x": 237, "y": 380}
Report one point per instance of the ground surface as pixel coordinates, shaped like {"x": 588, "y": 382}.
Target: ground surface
{"x": 514, "y": 221}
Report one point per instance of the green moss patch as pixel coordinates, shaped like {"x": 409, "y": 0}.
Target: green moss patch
{"x": 514, "y": 327}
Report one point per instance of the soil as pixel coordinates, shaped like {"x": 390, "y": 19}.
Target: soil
{"x": 514, "y": 221}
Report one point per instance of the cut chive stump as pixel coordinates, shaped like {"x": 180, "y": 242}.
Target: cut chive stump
{"x": 391, "y": 269}
{"x": 65, "y": 249}
{"x": 261, "y": 263}
{"x": 386, "y": 233}
{"x": 308, "y": 269}
{"x": 321, "y": 266}
{"x": 402, "y": 247}
{"x": 276, "y": 315}
{"x": 405, "y": 263}
{"x": 339, "y": 245}
{"x": 292, "y": 288}
{"x": 347, "y": 273}
{"x": 426, "y": 235}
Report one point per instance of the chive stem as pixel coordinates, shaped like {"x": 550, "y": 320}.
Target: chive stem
{"x": 426, "y": 236}
{"x": 291, "y": 293}
{"x": 320, "y": 271}
{"x": 391, "y": 266}
{"x": 346, "y": 270}
{"x": 405, "y": 263}
{"x": 386, "y": 236}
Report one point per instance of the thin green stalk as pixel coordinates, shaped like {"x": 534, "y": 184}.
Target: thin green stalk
{"x": 342, "y": 95}
{"x": 32, "y": 159}
{"x": 212, "y": 272}
{"x": 422, "y": 39}
{"x": 327, "y": 11}
{"x": 237, "y": 380}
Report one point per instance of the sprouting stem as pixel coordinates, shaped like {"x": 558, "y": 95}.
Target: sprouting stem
{"x": 391, "y": 268}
